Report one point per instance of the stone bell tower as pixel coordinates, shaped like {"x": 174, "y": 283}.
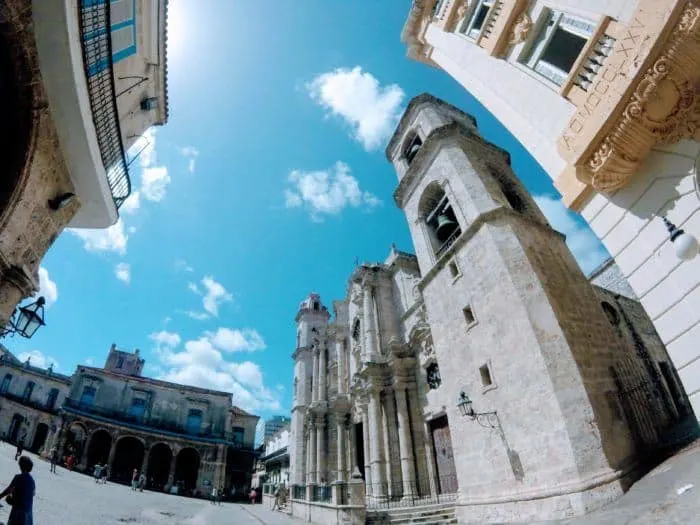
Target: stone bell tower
{"x": 312, "y": 320}
{"x": 516, "y": 327}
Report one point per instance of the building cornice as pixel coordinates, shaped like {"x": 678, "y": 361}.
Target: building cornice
{"x": 644, "y": 95}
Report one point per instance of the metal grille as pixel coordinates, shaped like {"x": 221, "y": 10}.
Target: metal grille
{"x": 95, "y": 36}
{"x": 299, "y": 492}
{"x": 397, "y": 494}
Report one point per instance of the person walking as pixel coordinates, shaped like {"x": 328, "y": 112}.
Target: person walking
{"x": 97, "y": 473}
{"x": 104, "y": 474}
{"x": 214, "y": 494}
{"x": 134, "y": 479}
{"x": 253, "y": 496}
{"x": 20, "y": 494}
{"x": 54, "y": 459}
{"x": 220, "y": 495}
{"x": 142, "y": 482}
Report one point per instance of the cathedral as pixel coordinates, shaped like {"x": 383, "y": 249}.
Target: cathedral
{"x": 485, "y": 372}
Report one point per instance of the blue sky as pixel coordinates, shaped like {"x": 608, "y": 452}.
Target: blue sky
{"x": 267, "y": 182}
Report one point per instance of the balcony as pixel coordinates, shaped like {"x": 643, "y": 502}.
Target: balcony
{"x": 145, "y": 424}
{"x": 29, "y": 403}
{"x": 78, "y": 79}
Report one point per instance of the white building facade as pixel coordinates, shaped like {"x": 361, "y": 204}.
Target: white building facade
{"x": 603, "y": 94}
{"x": 493, "y": 311}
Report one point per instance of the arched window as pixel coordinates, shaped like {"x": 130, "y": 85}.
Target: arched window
{"x": 5, "y": 383}
{"x": 411, "y": 147}
{"x": 28, "y": 390}
{"x": 194, "y": 421}
{"x": 51, "y": 400}
{"x": 356, "y": 330}
{"x": 315, "y": 305}
{"x": 441, "y": 222}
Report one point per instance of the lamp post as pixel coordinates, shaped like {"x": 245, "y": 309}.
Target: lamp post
{"x": 485, "y": 419}
{"x": 25, "y": 320}
{"x": 685, "y": 244}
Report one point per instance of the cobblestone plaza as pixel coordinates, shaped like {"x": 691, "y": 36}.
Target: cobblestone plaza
{"x": 71, "y": 498}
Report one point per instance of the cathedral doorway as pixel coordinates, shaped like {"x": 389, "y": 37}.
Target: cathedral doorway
{"x": 360, "y": 449}
{"x": 444, "y": 458}
{"x": 128, "y": 456}
{"x": 159, "y": 459}
{"x": 98, "y": 449}
{"x": 42, "y": 430}
{"x": 187, "y": 469}
{"x": 15, "y": 425}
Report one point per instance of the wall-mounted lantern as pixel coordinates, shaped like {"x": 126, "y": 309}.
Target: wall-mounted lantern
{"x": 25, "y": 320}
{"x": 485, "y": 419}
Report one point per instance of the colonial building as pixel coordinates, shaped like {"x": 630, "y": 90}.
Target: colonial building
{"x": 82, "y": 80}
{"x": 604, "y": 95}
{"x": 274, "y": 462}
{"x": 274, "y": 424}
{"x": 180, "y": 436}
{"x": 486, "y": 369}
{"x": 30, "y": 403}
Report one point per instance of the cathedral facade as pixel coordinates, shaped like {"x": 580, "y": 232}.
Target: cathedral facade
{"x": 486, "y": 369}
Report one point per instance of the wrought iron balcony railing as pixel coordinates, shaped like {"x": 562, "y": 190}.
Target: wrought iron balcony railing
{"x": 96, "y": 41}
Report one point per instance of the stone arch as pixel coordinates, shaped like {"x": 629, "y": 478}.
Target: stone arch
{"x": 15, "y": 428}
{"x": 160, "y": 457}
{"x": 98, "y": 448}
{"x": 437, "y": 213}
{"x": 187, "y": 469}
{"x": 128, "y": 455}
{"x": 411, "y": 145}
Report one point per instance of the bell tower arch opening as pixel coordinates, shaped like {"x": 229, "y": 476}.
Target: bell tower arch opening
{"x": 439, "y": 219}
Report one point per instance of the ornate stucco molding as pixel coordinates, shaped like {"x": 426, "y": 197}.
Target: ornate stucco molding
{"x": 504, "y": 17}
{"x": 646, "y": 94}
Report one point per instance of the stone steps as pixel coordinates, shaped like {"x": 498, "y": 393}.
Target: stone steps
{"x": 423, "y": 515}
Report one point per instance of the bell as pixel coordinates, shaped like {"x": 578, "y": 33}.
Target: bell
{"x": 445, "y": 226}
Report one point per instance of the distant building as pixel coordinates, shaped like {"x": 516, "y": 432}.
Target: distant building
{"x": 273, "y": 464}
{"x": 180, "y": 436}
{"x": 82, "y": 81}
{"x": 273, "y": 424}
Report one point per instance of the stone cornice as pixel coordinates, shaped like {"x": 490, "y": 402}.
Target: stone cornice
{"x": 645, "y": 94}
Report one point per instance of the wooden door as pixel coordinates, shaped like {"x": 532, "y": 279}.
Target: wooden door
{"x": 444, "y": 459}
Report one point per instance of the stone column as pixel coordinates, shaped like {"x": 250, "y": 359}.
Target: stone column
{"x": 171, "y": 473}
{"x": 340, "y": 433}
{"x": 366, "y": 450}
{"x": 144, "y": 464}
{"x": 320, "y": 449}
{"x": 405, "y": 447}
{"x": 430, "y": 459}
{"x": 391, "y": 452}
{"x": 322, "y": 371}
{"x": 340, "y": 359}
{"x": 314, "y": 377}
{"x": 112, "y": 453}
{"x": 377, "y": 444}
{"x": 370, "y": 327}
{"x": 312, "y": 454}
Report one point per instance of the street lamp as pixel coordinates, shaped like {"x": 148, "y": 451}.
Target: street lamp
{"x": 485, "y": 419}
{"x": 26, "y": 320}
{"x": 685, "y": 244}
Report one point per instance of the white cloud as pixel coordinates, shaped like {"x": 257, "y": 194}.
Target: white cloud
{"x": 246, "y": 340}
{"x": 112, "y": 239}
{"x": 47, "y": 288}
{"x": 192, "y": 287}
{"x": 371, "y": 110}
{"x": 190, "y": 153}
{"x": 147, "y": 147}
{"x": 197, "y": 316}
{"x": 131, "y": 204}
{"x": 165, "y": 339}
{"x": 201, "y": 363}
{"x": 167, "y": 319}
{"x": 38, "y": 359}
{"x": 89, "y": 361}
{"x": 214, "y": 295}
{"x": 123, "y": 272}
{"x": 327, "y": 192}
{"x": 154, "y": 182}
{"x": 582, "y": 242}
{"x": 183, "y": 265}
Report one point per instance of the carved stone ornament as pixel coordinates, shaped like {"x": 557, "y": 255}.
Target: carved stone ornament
{"x": 521, "y": 28}
{"x": 663, "y": 107}
{"x": 463, "y": 9}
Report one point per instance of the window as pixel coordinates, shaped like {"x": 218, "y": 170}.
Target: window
{"x": 440, "y": 219}
{"x": 194, "y": 421}
{"x": 558, "y": 45}
{"x": 137, "y": 408}
{"x": 5, "y": 386}
{"x": 436, "y": 7}
{"x": 51, "y": 400}
{"x": 149, "y": 103}
{"x": 454, "y": 269}
{"x": 238, "y": 436}
{"x": 433, "y": 376}
{"x": 474, "y": 23}
{"x": 356, "y": 330}
{"x": 122, "y": 33}
{"x": 469, "y": 315}
{"x": 485, "y": 374}
{"x": 315, "y": 305}
{"x": 120, "y": 362}
{"x": 28, "y": 391}
{"x": 88, "y": 396}
{"x": 411, "y": 147}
